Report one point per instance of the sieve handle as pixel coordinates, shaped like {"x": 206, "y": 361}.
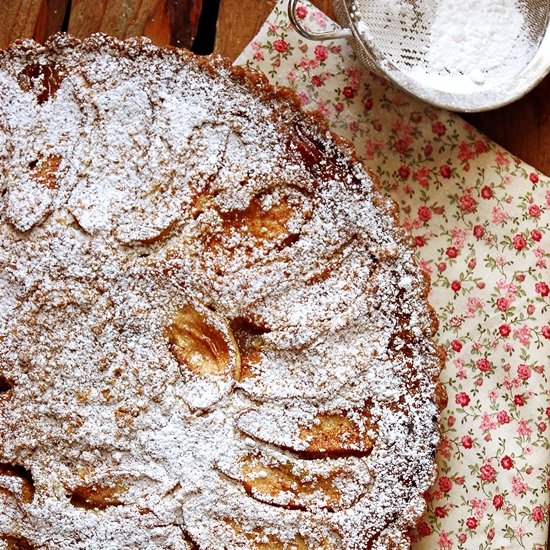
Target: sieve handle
{"x": 330, "y": 35}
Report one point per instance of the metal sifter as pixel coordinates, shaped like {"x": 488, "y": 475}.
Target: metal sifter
{"x": 471, "y": 55}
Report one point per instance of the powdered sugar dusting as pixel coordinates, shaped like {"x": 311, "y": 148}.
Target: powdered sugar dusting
{"x": 146, "y": 182}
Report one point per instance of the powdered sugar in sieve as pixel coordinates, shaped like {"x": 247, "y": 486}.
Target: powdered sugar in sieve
{"x": 473, "y": 50}
{"x": 467, "y": 55}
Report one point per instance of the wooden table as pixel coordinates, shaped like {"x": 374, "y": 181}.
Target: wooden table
{"x": 227, "y": 26}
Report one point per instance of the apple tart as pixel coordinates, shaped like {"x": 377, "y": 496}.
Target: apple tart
{"x": 213, "y": 333}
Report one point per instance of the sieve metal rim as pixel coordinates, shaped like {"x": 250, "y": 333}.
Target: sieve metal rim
{"x": 508, "y": 91}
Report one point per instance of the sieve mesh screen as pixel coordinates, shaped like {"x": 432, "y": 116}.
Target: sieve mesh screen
{"x": 468, "y": 55}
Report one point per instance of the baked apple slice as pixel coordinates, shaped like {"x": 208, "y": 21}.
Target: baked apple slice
{"x": 30, "y": 202}
{"x": 280, "y": 480}
{"x": 15, "y": 480}
{"x": 204, "y": 346}
{"x": 315, "y": 435}
{"x": 262, "y": 541}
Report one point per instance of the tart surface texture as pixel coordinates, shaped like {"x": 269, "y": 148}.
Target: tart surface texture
{"x": 213, "y": 333}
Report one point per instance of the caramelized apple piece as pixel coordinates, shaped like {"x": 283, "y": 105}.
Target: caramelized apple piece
{"x": 273, "y": 481}
{"x": 5, "y": 384}
{"x": 96, "y": 496}
{"x": 333, "y": 434}
{"x": 44, "y": 171}
{"x": 31, "y": 201}
{"x": 248, "y": 363}
{"x": 24, "y": 475}
{"x": 271, "y": 542}
{"x": 312, "y": 151}
{"x": 16, "y": 543}
{"x": 248, "y": 336}
{"x": 301, "y": 484}
{"x": 45, "y": 79}
{"x": 268, "y": 224}
{"x": 264, "y": 541}
{"x": 202, "y": 341}
{"x": 257, "y": 226}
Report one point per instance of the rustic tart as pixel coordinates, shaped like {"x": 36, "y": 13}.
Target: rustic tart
{"x": 213, "y": 333}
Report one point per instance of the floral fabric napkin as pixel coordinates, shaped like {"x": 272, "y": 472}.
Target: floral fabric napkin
{"x": 480, "y": 219}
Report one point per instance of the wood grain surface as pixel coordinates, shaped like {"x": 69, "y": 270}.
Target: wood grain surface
{"x": 166, "y": 22}
{"x": 36, "y": 19}
{"x": 240, "y": 20}
{"x": 523, "y": 127}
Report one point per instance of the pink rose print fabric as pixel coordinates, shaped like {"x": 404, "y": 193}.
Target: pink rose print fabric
{"x": 480, "y": 220}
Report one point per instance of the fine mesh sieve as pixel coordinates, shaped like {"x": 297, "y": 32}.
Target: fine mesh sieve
{"x": 467, "y": 55}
